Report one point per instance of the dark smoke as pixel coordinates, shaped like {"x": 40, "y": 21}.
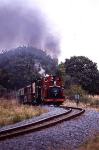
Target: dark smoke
{"x": 20, "y": 25}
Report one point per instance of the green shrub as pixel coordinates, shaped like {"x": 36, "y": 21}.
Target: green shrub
{"x": 73, "y": 90}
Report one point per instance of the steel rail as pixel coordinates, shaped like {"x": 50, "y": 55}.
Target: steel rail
{"x": 41, "y": 124}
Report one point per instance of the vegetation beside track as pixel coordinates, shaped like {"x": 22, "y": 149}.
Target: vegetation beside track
{"x": 11, "y": 112}
{"x": 85, "y": 100}
{"x": 89, "y": 102}
{"x": 92, "y": 144}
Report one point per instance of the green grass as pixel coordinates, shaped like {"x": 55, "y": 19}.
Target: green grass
{"x": 12, "y": 112}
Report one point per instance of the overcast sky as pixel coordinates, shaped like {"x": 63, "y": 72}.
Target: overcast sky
{"x": 77, "y": 21}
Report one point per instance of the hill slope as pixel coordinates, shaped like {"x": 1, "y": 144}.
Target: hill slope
{"x": 20, "y": 66}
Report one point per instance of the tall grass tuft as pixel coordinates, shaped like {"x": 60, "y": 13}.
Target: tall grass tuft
{"x": 11, "y": 112}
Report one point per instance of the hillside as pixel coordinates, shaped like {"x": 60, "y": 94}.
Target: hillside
{"x": 20, "y": 66}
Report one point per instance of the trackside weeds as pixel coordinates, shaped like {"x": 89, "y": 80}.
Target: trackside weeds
{"x": 11, "y": 112}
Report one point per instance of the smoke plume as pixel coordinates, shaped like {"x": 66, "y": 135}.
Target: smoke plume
{"x": 22, "y": 25}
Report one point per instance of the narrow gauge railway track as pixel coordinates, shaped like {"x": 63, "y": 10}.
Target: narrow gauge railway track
{"x": 71, "y": 113}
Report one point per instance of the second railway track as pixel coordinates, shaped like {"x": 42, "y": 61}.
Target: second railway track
{"x": 71, "y": 113}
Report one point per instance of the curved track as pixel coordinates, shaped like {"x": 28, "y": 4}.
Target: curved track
{"x": 71, "y": 113}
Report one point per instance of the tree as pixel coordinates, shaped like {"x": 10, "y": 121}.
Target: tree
{"x": 66, "y": 78}
{"x": 4, "y": 78}
{"x": 19, "y": 66}
{"x": 84, "y": 72}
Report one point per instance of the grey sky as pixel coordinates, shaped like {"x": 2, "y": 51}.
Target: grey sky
{"x": 76, "y": 22}
{"x": 24, "y": 23}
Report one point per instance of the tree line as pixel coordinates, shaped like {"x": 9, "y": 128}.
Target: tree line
{"x": 21, "y": 66}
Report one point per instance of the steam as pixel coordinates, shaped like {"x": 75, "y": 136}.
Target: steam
{"x": 39, "y": 68}
{"x": 42, "y": 71}
{"x": 22, "y": 25}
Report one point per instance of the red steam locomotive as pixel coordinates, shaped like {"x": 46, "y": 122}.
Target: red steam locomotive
{"x": 48, "y": 89}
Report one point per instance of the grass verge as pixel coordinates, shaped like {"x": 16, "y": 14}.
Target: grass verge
{"x": 92, "y": 144}
{"x": 89, "y": 102}
{"x": 11, "y": 112}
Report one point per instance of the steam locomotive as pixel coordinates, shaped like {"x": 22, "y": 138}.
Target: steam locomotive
{"x": 48, "y": 89}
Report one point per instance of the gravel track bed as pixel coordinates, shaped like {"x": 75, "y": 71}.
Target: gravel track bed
{"x": 68, "y": 135}
{"x": 51, "y": 111}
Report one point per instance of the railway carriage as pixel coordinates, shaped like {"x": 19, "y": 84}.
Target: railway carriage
{"x": 48, "y": 89}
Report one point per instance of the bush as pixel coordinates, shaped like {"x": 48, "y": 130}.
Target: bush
{"x": 2, "y": 91}
{"x": 73, "y": 90}
{"x": 88, "y": 100}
